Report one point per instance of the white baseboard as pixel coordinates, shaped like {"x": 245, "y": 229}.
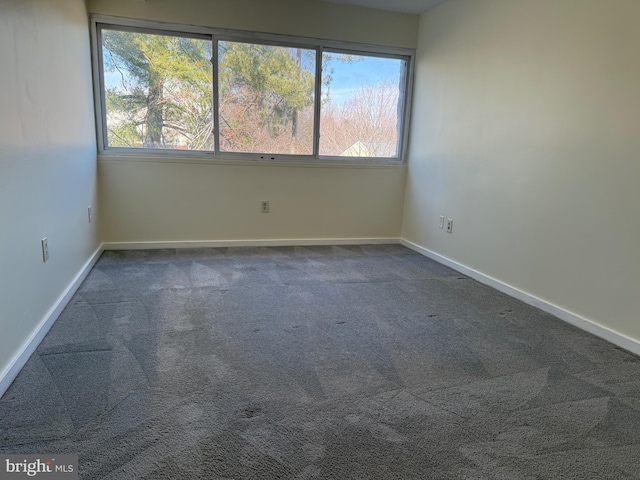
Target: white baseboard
{"x": 585, "y": 324}
{"x": 286, "y": 242}
{"x": 29, "y": 346}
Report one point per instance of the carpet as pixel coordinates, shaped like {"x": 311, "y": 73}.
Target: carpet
{"x": 343, "y": 362}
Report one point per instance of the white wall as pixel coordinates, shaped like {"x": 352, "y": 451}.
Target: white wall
{"x": 156, "y": 201}
{"x": 47, "y": 160}
{"x": 306, "y": 18}
{"x": 526, "y": 133}
{"x": 145, "y": 201}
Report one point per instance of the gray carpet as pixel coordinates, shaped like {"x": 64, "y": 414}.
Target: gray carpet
{"x": 367, "y": 362}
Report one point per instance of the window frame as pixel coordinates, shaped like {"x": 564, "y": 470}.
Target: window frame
{"x": 100, "y": 22}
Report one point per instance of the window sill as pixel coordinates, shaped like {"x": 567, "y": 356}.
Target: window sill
{"x": 207, "y": 159}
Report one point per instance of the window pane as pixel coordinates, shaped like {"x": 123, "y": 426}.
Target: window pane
{"x": 361, "y": 105}
{"x": 266, "y": 96}
{"x": 158, "y": 91}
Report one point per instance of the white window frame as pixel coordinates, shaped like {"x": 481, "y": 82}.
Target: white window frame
{"x": 217, "y": 34}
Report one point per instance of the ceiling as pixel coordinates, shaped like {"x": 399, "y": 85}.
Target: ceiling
{"x": 406, "y": 6}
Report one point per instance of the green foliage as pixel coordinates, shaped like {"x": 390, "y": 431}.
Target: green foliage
{"x": 163, "y": 97}
{"x": 164, "y": 94}
{"x": 146, "y": 57}
{"x": 124, "y": 133}
{"x": 272, "y": 71}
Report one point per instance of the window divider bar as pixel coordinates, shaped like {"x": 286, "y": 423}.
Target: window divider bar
{"x": 216, "y": 95}
{"x": 320, "y": 46}
{"x": 318, "y": 100}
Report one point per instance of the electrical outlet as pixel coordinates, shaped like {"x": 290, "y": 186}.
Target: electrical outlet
{"x": 449, "y": 225}
{"x": 45, "y": 249}
{"x": 90, "y": 213}
{"x": 441, "y": 224}
{"x": 264, "y": 206}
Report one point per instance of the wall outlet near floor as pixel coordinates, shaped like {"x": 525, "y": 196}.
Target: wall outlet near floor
{"x": 264, "y": 206}
{"x": 441, "y": 224}
{"x": 45, "y": 249}
{"x": 449, "y": 225}
{"x": 90, "y": 213}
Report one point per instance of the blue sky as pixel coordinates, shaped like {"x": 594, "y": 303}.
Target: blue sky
{"x": 345, "y": 77}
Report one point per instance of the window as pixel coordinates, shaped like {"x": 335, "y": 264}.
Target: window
{"x": 362, "y": 105}
{"x": 266, "y": 98}
{"x": 157, "y": 90}
{"x": 233, "y": 95}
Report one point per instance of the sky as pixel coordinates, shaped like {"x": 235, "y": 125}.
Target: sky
{"x": 345, "y": 76}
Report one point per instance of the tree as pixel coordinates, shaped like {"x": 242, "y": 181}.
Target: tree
{"x": 366, "y": 124}
{"x": 164, "y": 92}
{"x": 159, "y": 95}
{"x": 263, "y": 86}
